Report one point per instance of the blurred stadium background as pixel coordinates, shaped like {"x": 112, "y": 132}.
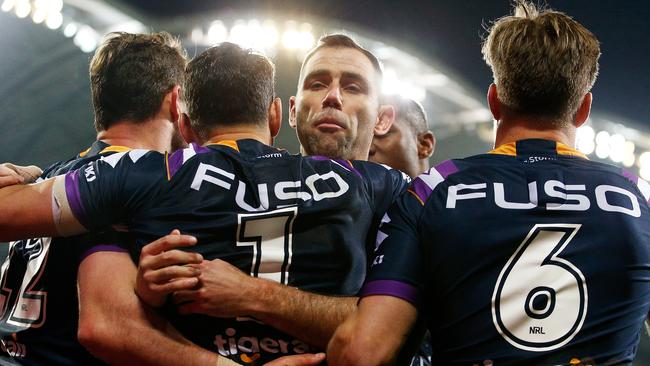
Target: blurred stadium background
{"x": 430, "y": 51}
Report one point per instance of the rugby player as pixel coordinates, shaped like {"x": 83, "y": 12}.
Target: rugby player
{"x": 271, "y": 214}
{"x": 528, "y": 255}
{"x": 409, "y": 143}
{"x": 39, "y": 276}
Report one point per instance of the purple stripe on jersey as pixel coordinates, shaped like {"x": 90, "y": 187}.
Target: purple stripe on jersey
{"x": 633, "y": 178}
{"x": 348, "y": 165}
{"x": 421, "y": 189}
{"x": 398, "y": 289}
{"x": 200, "y": 149}
{"x": 102, "y": 248}
{"x": 74, "y": 198}
{"x": 175, "y": 161}
{"x": 446, "y": 168}
{"x": 319, "y": 157}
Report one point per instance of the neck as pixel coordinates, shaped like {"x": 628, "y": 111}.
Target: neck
{"x": 235, "y": 133}
{"x": 511, "y": 130}
{"x": 153, "y": 134}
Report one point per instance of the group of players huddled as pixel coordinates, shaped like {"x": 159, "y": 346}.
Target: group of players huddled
{"x": 183, "y": 237}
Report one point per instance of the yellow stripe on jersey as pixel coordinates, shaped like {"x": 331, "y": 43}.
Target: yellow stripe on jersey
{"x": 409, "y": 190}
{"x": 169, "y": 175}
{"x": 229, "y": 143}
{"x": 117, "y": 149}
{"x": 562, "y": 149}
{"x": 85, "y": 152}
{"x": 509, "y": 149}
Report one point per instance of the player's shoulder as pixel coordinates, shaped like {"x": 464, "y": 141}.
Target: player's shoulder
{"x": 423, "y": 186}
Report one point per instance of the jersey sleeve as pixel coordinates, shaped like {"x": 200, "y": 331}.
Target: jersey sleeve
{"x": 111, "y": 189}
{"x": 398, "y": 268}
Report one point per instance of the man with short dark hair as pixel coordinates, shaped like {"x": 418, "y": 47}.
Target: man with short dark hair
{"x": 135, "y": 80}
{"x": 409, "y": 143}
{"x": 271, "y": 214}
{"x": 530, "y": 254}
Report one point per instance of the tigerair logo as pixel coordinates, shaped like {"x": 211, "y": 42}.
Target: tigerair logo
{"x": 250, "y": 349}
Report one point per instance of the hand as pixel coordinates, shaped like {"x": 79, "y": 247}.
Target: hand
{"x": 11, "y": 174}
{"x": 162, "y": 269}
{"x": 298, "y": 360}
{"x": 224, "y": 291}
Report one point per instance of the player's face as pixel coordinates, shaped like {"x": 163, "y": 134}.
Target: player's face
{"x": 397, "y": 149}
{"x": 336, "y": 106}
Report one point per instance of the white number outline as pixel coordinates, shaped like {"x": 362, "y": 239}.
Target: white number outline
{"x": 257, "y": 240}
{"x": 35, "y": 267}
{"x": 552, "y": 258}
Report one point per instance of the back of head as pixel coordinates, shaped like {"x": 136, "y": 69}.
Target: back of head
{"x": 409, "y": 111}
{"x": 228, "y": 85}
{"x": 130, "y": 75}
{"x": 543, "y": 63}
{"x": 342, "y": 41}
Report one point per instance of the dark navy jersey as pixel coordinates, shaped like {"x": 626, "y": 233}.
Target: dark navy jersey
{"x": 38, "y": 293}
{"x": 300, "y": 221}
{"x": 531, "y": 254}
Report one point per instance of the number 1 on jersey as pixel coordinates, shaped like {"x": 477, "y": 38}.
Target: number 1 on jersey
{"x": 270, "y": 235}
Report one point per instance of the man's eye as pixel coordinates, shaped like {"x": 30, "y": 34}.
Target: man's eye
{"x": 316, "y": 85}
{"x": 353, "y": 88}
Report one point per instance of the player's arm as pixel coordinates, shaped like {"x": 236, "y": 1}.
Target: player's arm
{"x": 374, "y": 334}
{"x": 227, "y": 292}
{"x": 117, "y": 328}
{"x": 34, "y": 210}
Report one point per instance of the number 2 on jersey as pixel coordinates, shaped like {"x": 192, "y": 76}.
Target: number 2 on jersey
{"x": 540, "y": 300}
{"x": 270, "y": 235}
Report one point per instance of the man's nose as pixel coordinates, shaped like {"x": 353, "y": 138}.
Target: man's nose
{"x": 333, "y": 98}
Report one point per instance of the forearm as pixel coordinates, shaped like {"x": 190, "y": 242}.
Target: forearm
{"x": 128, "y": 342}
{"x": 310, "y": 317}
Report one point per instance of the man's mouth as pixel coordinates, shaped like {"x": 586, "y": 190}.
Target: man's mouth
{"x": 329, "y": 124}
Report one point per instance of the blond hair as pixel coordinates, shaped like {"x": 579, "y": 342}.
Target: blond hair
{"x": 543, "y": 62}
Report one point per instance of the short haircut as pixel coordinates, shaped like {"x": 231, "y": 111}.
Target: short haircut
{"x": 408, "y": 110}
{"x": 131, "y": 73}
{"x": 343, "y": 41}
{"x": 228, "y": 85}
{"x": 543, "y": 62}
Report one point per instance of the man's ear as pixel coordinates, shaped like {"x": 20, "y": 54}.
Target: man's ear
{"x": 583, "y": 111}
{"x": 426, "y": 144}
{"x": 187, "y": 131}
{"x": 174, "y": 103}
{"x": 385, "y": 119}
{"x": 292, "y": 112}
{"x": 493, "y": 102}
{"x": 275, "y": 117}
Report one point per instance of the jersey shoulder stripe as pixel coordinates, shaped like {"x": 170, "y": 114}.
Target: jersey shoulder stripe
{"x": 643, "y": 185}
{"x": 425, "y": 183}
{"x": 180, "y": 157}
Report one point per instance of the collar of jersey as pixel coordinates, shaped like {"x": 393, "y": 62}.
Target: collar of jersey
{"x": 100, "y": 147}
{"x": 230, "y": 143}
{"x": 558, "y": 148}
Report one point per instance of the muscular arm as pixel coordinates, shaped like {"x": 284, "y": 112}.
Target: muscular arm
{"x": 116, "y": 327}
{"x": 374, "y": 334}
{"x": 27, "y": 211}
{"x": 227, "y": 292}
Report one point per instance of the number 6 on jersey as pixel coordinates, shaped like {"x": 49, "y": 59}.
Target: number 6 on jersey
{"x": 540, "y": 300}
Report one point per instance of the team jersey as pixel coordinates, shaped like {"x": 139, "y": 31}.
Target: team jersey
{"x": 300, "y": 221}
{"x": 528, "y": 255}
{"x": 38, "y": 293}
